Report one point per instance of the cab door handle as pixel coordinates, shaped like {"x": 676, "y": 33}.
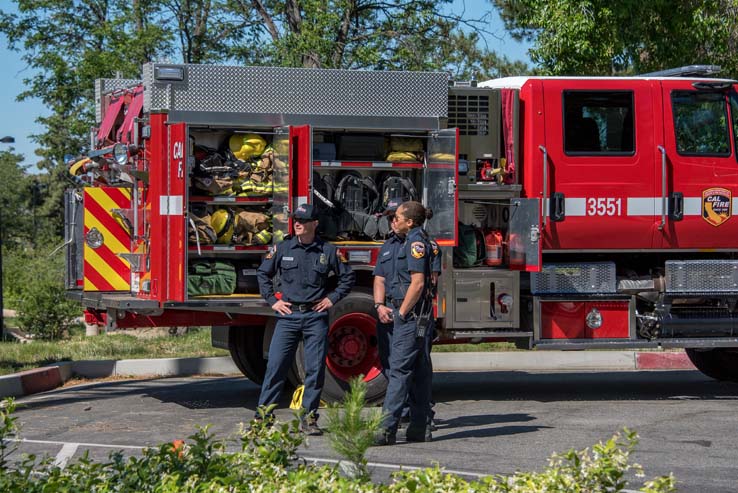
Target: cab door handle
{"x": 558, "y": 207}
{"x": 676, "y": 206}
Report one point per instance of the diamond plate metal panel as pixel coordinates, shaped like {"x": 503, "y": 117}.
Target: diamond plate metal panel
{"x": 292, "y": 91}
{"x": 702, "y": 276}
{"x": 575, "y": 278}
{"x": 104, "y": 86}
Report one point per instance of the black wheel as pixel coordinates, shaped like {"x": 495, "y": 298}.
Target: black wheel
{"x": 720, "y": 364}
{"x": 352, "y": 350}
{"x": 246, "y": 346}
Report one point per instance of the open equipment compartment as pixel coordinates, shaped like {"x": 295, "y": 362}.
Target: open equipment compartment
{"x": 238, "y": 189}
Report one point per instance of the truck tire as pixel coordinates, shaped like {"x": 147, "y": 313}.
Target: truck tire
{"x": 720, "y": 364}
{"x": 352, "y": 350}
{"x": 246, "y": 347}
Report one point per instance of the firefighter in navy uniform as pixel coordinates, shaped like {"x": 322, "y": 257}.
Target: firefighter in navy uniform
{"x": 382, "y": 271}
{"x": 408, "y": 282}
{"x": 303, "y": 262}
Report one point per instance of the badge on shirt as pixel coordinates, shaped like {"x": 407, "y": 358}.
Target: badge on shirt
{"x": 417, "y": 249}
{"x": 271, "y": 252}
{"x": 323, "y": 259}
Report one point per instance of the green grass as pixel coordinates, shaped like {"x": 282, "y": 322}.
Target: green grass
{"x": 473, "y": 348}
{"x": 16, "y": 357}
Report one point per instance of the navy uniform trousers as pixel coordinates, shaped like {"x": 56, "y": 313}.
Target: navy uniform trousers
{"x": 312, "y": 327}
{"x": 410, "y": 373}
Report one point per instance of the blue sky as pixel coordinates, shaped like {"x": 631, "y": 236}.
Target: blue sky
{"x": 18, "y": 118}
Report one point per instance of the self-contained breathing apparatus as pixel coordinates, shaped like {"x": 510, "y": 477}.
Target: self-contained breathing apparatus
{"x": 351, "y": 205}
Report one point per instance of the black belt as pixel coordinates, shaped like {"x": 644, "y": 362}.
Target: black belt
{"x": 396, "y": 303}
{"x": 302, "y": 307}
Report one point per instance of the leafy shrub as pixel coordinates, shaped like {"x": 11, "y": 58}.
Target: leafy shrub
{"x": 603, "y": 469}
{"x": 267, "y": 462}
{"x": 35, "y": 287}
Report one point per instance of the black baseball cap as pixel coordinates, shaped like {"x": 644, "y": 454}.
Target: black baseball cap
{"x": 306, "y": 212}
{"x": 392, "y": 206}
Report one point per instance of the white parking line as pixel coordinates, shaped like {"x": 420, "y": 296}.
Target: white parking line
{"x": 66, "y": 453}
{"x": 69, "y": 448}
{"x": 80, "y": 444}
{"x": 398, "y": 467}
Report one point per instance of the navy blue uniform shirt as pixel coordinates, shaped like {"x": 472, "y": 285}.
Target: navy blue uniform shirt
{"x": 415, "y": 255}
{"x": 387, "y": 255}
{"x": 303, "y": 271}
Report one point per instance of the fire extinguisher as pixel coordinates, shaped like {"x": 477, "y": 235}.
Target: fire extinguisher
{"x": 486, "y": 171}
{"x": 493, "y": 245}
{"x": 516, "y": 251}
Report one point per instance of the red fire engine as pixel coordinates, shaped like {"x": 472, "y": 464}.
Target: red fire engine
{"x": 573, "y": 212}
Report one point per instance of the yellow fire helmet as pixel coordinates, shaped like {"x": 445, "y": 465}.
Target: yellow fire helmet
{"x": 247, "y": 146}
{"x": 263, "y": 237}
{"x": 222, "y": 221}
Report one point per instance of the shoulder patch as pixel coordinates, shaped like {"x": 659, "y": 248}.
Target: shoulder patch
{"x": 342, "y": 258}
{"x": 434, "y": 245}
{"x": 271, "y": 252}
{"x": 417, "y": 249}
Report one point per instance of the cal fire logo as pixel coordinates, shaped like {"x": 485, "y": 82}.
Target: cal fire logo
{"x": 716, "y": 205}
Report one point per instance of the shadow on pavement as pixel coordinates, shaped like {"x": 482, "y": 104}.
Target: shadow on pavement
{"x": 481, "y": 420}
{"x": 197, "y": 393}
{"x": 579, "y": 386}
{"x": 489, "y": 432}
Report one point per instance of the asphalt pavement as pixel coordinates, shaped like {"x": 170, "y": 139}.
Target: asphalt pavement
{"x": 54, "y": 375}
{"x": 489, "y": 422}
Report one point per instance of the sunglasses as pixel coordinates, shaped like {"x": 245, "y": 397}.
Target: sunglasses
{"x": 303, "y": 221}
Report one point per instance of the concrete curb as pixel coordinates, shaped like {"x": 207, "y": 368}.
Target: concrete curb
{"x": 53, "y": 376}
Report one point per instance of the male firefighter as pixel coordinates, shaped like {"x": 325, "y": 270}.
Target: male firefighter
{"x": 303, "y": 262}
{"x": 408, "y": 293}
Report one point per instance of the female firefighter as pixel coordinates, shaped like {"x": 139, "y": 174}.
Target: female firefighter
{"x": 404, "y": 281}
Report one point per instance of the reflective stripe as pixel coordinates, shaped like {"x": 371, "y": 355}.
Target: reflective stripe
{"x": 575, "y": 207}
{"x": 171, "y": 205}
{"x": 692, "y": 206}
{"x": 635, "y": 206}
{"x": 643, "y": 206}
{"x": 103, "y": 268}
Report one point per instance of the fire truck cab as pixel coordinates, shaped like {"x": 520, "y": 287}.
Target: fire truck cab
{"x": 572, "y": 212}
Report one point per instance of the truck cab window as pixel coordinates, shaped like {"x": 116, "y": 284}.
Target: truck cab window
{"x": 598, "y": 122}
{"x": 700, "y": 123}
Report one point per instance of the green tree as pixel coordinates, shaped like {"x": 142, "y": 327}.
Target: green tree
{"x": 364, "y": 34}
{"x": 598, "y": 37}
{"x": 14, "y": 200}
{"x": 68, "y": 44}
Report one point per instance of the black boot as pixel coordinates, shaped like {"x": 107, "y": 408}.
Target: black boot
{"x": 385, "y": 437}
{"x": 418, "y": 433}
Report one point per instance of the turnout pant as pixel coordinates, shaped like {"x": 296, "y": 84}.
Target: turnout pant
{"x": 312, "y": 328}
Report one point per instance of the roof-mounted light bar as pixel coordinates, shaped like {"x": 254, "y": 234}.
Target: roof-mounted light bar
{"x": 686, "y": 71}
{"x": 164, "y": 72}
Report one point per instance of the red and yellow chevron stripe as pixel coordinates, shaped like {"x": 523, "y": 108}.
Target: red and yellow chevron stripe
{"x": 103, "y": 269}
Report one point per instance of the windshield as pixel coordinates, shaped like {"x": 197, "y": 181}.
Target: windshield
{"x": 701, "y": 123}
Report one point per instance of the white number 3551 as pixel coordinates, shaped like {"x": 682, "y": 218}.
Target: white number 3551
{"x": 604, "y": 206}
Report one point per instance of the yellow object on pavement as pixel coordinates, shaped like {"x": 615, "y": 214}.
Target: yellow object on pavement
{"x": 297, "y": 399}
